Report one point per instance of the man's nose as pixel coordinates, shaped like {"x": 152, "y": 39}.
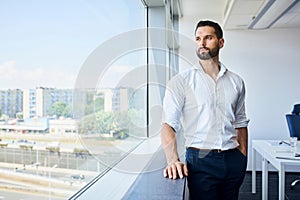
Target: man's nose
{"x": 202, "y": 43}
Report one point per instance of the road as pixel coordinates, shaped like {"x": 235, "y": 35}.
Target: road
{"x": 30, "y": 168}
{"x": 6, "y": 195}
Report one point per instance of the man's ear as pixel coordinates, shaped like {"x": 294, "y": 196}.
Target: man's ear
{"x": 221, "y": 42}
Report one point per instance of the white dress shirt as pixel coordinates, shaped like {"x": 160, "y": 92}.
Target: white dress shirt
{"x": 207, "y": 110}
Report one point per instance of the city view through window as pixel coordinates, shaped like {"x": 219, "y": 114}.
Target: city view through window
{"x": 57, "y": 134}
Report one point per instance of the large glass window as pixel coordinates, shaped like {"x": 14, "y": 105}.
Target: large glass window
{"x": 56, "y": 132}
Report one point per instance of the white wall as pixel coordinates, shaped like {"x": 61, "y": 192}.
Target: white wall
{"x": 268, "y": 61}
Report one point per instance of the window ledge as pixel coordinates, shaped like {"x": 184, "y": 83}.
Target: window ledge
{"x": 138, "y": 176}
{"x": 152, "y": 185}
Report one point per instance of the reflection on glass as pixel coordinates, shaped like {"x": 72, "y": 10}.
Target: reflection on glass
{"x": 117, "y": 121}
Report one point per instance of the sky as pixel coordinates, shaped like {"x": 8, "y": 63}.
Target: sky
{"x": 45, "y": 43}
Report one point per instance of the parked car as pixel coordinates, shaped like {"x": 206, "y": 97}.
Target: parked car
{"x": 78, "y": 176}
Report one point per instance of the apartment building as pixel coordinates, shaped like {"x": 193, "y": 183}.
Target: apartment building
{"x": 38, "y": 102}
{"x": 116, "y": 99}
{"x": 11, "y": 102}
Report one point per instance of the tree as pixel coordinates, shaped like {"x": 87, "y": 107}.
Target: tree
{"x": 87, "y": 124}
{"x": 93, "y": 104}
{"x": 105, "y": 121}
{"x": 19, "y": 115}
{"x": 120, "y": 124}
{"x": 99, "y": 104}
{"x": 61, "y": 109}
{"x": 68, "y": 112}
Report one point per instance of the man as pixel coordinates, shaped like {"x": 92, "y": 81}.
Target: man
{"x": 210, "y": 100}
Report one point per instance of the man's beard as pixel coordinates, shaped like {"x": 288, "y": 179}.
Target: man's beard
{"x": 208, "y": 55}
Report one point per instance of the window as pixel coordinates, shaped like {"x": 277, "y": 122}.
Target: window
{"x": 57, "y": 144}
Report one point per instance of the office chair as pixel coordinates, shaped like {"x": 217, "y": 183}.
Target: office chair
{"x": 293, "y": 121}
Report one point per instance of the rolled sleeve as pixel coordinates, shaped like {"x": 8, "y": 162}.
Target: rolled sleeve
{"x": 241, "y": 119}
{"x": 173, "y": 102}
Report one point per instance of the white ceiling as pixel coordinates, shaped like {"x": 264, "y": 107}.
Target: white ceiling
{"x": 246, "y": 14}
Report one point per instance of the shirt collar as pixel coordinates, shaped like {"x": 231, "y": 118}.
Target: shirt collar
{"x": 222, "y": 71}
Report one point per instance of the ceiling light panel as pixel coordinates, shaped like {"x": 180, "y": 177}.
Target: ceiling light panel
{"x": 290, "y": 19}
{"x": 272, "y": 13}
{"x": 242, "y": 12}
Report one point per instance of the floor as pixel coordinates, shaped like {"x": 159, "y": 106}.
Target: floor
{"x": 245, "y": 191}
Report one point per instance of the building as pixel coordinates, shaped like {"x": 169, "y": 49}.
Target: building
{"x": 116, "y": 99}
{"x": 11, "y": 102}
{"x": 38, "y": 102}
{"x": 29, "y": 125}
{"x": 62, "y": 125}
{"x": 40, "y": 125}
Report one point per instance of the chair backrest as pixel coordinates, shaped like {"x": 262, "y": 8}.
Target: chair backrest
{"x": 293, "y": 121}
{"x": 296, "y": 109}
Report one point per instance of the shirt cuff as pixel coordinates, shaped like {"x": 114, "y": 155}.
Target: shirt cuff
{"x": 241, "y": 124}
{"x": 175, "y": 125}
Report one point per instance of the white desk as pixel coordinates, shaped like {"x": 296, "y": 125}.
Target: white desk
{"x": 270, "y": 150}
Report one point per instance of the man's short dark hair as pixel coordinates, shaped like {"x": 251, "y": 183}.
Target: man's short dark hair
{"x": 216, "y": 26}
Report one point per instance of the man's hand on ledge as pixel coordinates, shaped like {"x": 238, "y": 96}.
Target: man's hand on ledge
{"x": 175, "y": 170}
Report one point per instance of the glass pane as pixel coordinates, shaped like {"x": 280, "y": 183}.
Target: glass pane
{"x": 56, "y": 136}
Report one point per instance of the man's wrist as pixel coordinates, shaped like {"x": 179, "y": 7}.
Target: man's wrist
{"x": 174, "y": 161}
{"x": 243, "y": 150}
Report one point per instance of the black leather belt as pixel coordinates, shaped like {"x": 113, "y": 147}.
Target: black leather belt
{"x": 210, "y": 150}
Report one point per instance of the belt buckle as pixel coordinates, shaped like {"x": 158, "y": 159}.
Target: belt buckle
{"x": 219, "y": 150}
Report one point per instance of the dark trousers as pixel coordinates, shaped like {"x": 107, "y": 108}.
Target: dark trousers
{"x": 215, "y": 175}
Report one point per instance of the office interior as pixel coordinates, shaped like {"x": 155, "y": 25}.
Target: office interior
{"x": 265, "y": 56}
